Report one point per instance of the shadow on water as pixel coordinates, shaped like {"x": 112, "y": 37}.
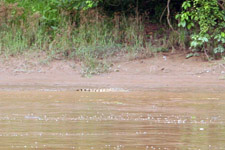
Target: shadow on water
{"x": 135, "y": 120}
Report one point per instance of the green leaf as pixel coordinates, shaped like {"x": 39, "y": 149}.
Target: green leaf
{"x": 222, "y": 34}
{"x": 182, "y": 24}
{"x": 190, "y": 25}
{"x": 219, "y": 49}
{"x": 186, "y": 4}
{"x": 203, "y": 39}
{"x": 194, "y": 44}
{"x": 189, "y": 55}
{"x": 177, "y": 16}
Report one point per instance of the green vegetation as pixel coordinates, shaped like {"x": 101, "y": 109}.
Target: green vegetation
{"x": 206, "y": 19}
{"x": 92, "y": 31}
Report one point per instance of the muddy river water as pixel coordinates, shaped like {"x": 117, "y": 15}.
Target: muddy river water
{"x": 129, "y": 121}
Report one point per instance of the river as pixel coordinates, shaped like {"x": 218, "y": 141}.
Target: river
{"x": 153, "y": 120}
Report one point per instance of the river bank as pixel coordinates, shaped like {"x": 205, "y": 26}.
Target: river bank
{"x": 164, "y": 71}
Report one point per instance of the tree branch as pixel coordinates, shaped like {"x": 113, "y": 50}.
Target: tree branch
{"x": 168, "y": 14}
{"x": 160, "y": 20}
{"x": 221, "y": 5}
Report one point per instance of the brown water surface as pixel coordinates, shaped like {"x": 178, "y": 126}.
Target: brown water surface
{"x": 130, "y": 121}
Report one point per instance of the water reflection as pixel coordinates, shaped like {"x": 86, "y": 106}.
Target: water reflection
{"x": 135, "y": 120}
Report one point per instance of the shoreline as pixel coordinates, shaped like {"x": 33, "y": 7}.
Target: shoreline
{"x": 173, "y": 74}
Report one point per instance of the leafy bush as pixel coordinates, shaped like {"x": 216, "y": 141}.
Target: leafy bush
{"x": 52, "y": 11}
{"x": 206, "y": 21}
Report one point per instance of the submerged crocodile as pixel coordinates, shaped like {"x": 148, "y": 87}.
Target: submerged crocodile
{"x": 101, "y": 90}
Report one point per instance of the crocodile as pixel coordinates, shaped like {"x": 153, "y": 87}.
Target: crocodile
{"x": 101, "y": 90}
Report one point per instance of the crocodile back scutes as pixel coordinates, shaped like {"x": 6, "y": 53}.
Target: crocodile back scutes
{"x": 101, "y": 90}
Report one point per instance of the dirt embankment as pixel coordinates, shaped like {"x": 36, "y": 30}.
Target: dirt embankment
{"x": 172, "y": 72}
